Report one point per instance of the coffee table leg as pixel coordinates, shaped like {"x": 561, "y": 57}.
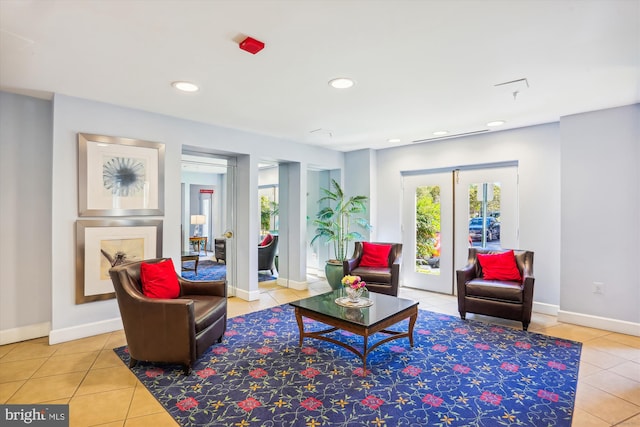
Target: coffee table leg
{"x": 412, "y": 322}
{"x": 300, "y": 325}
{"x": 365, "y": 353}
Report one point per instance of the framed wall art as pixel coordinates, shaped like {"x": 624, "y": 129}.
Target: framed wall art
{"x": 104, "y": 243}
{"x": 119, "y": 176}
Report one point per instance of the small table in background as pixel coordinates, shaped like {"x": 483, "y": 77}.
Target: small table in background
{"x": 199, "y": 240}
{"x": 190, "y": 256}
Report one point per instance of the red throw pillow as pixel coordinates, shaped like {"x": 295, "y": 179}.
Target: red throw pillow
{"x": 500, "y": 266}
{"x": 267, "y": 239}
{"x": 375, "y": 255}
{"x": 159, "y": 280}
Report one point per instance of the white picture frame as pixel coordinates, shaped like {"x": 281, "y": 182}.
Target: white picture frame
{"x": 119, "y": 176}
{"x": 102, "y": 243}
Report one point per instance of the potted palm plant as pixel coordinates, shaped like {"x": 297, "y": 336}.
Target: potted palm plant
{"x": 334, "y": 224}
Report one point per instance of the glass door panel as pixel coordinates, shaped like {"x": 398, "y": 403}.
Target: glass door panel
{"x": 484, "y": 214}
{"x": 486, "y": 210}
{"x": 428, "y": 232}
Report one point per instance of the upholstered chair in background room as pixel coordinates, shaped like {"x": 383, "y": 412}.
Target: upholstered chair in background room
{"x": 497, "y": 283}
{"x": 267, "y": 251}
{"x": 168, "y": 319}
{"x": 378, "y": 264}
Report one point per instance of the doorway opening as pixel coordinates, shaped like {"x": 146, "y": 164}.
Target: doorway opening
{"x": 207, "y": 217}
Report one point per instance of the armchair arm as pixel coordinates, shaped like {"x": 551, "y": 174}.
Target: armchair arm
{"x": 349, "y": 264}
{"x": 467, "y": 273}
{"x": 397, "y": 261}
{"x": 528, "y": 280}
{"x": 214, "y": 287}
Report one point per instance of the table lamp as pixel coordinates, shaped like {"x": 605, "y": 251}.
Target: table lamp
{"x": 197, "y": 220}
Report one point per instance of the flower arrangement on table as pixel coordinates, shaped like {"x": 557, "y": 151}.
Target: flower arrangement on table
{"x": 354, "y": 286}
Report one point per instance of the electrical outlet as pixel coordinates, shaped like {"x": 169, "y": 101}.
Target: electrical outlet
{"x": 598, "y": 288}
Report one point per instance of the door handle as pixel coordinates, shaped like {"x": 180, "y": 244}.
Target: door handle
{"x": 228, "y": 234}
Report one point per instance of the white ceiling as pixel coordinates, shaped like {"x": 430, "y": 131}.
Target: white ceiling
{"x": 419, "y": 66}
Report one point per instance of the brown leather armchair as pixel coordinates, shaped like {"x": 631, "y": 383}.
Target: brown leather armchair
{"x": 169, "y": 330}
{"x": 384, "y": 280}
{"x": 267, "y": 255}
{"x": 505, "y": 299}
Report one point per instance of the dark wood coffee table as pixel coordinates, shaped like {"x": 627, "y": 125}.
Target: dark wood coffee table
{"x": 386, "y": 311}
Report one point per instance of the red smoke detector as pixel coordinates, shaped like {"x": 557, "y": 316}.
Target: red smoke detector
{"x": 251, "y": 45}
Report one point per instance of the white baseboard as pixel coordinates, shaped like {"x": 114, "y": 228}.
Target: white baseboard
{"x": 247, "y": 295}
{"x": 24, "y": 333}
{"x": 82, "y": 331}
{"x": 292, "y": 284}
{"x": 544, "y": 308}
{"x": 607, "y": 324}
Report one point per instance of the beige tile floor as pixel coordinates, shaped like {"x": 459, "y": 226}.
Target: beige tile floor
{"x": 101, "y": 391}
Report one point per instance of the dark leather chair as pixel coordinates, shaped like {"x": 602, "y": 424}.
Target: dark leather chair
{"x": 267, "y": 255}
{"x": 384, "y": 280}
{"x": 220, "y": 250}
{"x": 505, "y": 299}
{"x": 169, "y": 330}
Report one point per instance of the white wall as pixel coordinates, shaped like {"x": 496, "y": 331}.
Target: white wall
{"x": 73, "y": 115}
{"x": 360, "y": 180}
{"x": 318, "y": 253}
{"x": 537, "y": 151}
{"x": 25, "y": 217}
{"x": 601, "y": 214}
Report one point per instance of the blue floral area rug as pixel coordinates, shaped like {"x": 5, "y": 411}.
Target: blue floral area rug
{"x": 459, "y": 373}
{"x": 211, "y": 270}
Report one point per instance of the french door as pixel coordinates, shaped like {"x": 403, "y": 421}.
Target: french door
{"x": 428, "y": 231}
{"x": 447, "y": 211}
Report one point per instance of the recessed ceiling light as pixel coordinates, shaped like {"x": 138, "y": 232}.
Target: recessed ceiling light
{"x": 185, "y": 86}
{"x": 496, "y": 123}
{"x": 341, "y": 83}
{"x": 393, "y": 140}
{"x": 441, "y": 132}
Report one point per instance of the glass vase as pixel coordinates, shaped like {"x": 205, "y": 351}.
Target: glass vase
{"x": 354, "y": 294}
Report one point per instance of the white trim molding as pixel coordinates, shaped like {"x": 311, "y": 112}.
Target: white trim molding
{"x": 24, "y": 333}
{"x": 83, "y": 331}
{"x": 544, "y": 308}
{"x": 247, "y": 295}
{"x": 292, "y": 284}
{"x": 604, "y": 323}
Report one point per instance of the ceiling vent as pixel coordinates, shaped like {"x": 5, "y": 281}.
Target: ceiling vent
{"x": 455, "y": 135}
{"x": 513, "y": 87}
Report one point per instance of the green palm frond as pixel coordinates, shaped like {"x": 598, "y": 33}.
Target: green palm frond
{"x": 333, "y": 223}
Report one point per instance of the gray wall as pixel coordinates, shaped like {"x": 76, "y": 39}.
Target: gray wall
{"x": 537, "y": 151}
{"x": 601, "y": 213}
{"x": 25, "y": 214}
{"x": 597, "y": 153}
{"x": 579, "y": 206}
{"x": 72, "y": 115}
